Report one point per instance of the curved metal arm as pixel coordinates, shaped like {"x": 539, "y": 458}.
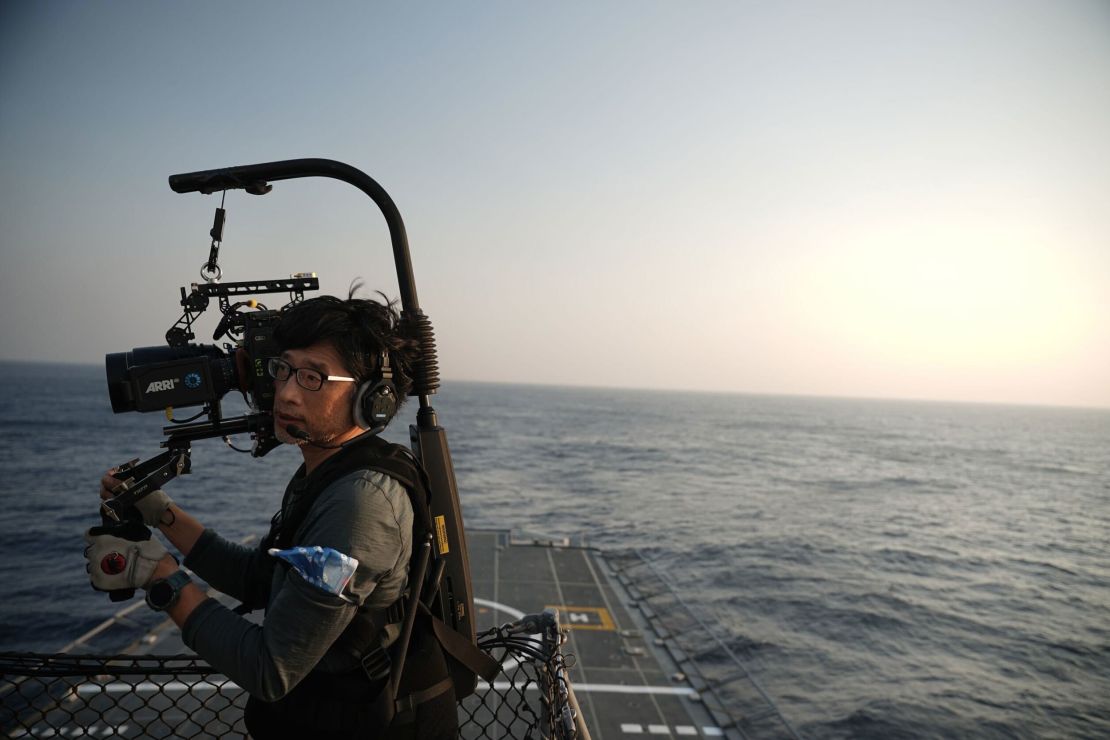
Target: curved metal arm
{"x": 254, "y": 178}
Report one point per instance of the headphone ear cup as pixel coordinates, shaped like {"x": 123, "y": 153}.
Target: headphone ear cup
{"x": 356, "y": 407}
{"x": 375, "y": 405}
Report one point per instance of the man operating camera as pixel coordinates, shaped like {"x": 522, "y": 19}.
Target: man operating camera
{"x": 335, "y": 565}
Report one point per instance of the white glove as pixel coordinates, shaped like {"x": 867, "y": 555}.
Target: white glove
{"x": 152, "y": 506}
{"x": 122, "y": 556}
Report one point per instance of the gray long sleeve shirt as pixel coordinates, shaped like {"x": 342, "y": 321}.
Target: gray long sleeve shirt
{"x": 366, "y": 515}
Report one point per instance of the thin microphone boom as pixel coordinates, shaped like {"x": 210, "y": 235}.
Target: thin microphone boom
{"x": 296, "y": 431}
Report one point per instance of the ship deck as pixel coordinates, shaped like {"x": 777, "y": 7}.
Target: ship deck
{"x": 625, "y": 686}
{"x": 630, "y": 675}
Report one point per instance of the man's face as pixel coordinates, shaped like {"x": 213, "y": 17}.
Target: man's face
{"x": 325, "y": 414}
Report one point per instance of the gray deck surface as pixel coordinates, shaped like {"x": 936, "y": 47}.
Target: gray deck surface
{"x": 619, "y": 680}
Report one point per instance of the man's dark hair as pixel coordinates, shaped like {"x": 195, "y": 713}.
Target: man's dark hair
{"x": 359, "y": 328}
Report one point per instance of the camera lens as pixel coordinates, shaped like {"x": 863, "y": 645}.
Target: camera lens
{"x": 153, "y": 378}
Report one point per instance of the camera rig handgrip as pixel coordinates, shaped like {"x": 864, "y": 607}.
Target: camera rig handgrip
{"x": 138, "y": 480}
{"x": 141, "y": 479}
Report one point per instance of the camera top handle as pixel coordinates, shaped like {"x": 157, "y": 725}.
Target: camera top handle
{"x": 256, "y": 178}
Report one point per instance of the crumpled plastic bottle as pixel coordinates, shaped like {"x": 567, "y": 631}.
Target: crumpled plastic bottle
{"x": 323, "y": 567}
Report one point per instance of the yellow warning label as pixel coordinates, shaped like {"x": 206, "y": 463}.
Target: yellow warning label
{"x": 441, "y": 535}
{"x": 584, "y": 617}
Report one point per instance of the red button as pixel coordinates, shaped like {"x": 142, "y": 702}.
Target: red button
{"x": 113, "y": 563}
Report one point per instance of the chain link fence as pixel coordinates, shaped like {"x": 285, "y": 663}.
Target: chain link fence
{"x": 181, "y": 696}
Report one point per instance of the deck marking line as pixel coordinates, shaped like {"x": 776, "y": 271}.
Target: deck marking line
{"x": 632, "y": 729}
{"x": 52, "y": 732}
{"x": 584, "y": 617}
{"x": 120, "y": 687}
{"x": 659, "y": 730}
{"x": 514, "y": 613}
{"x": 617, "y": 688}
{"x": 601, "y": 688}
{"x": 686, "y": 730}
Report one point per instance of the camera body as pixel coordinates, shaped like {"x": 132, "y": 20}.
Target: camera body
{"x": 182, "y": 374}
{"x": 156, "y": 378}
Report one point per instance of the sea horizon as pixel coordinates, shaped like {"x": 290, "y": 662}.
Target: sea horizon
{"x": 695, "y": 391}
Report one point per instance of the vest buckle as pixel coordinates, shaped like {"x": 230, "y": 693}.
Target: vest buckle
{"x": 376, "y": 664}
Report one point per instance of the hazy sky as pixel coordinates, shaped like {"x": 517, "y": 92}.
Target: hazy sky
{"x": 883, "y": 199}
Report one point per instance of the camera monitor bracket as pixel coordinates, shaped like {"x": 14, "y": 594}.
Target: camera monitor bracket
{"x": 199, "y": 296}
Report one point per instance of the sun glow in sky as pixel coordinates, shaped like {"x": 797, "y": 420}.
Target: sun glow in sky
{"x": 979, "y": 299}
{"x": 858, "y": 199}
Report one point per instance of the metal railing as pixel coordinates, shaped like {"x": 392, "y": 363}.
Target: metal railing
{"x": 181, "y": 696}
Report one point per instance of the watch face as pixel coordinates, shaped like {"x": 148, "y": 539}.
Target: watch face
{"x": 160, "y": 594}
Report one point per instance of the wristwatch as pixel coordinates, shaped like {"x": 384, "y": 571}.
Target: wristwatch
{"x": 164, "y": 592}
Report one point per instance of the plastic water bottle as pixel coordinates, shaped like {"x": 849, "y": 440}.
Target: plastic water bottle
{"x": 323, "y": 567}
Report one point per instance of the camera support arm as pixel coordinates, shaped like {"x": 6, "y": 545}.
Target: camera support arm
{"x": 256, "y": 178}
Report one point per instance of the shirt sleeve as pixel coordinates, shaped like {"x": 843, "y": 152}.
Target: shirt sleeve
{"x": 361, "y": 515}
{"x": 241, "y": 572}
{"x": 367, "y": 516}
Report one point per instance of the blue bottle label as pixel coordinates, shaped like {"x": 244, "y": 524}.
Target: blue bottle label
{"x": 323, "y": 567}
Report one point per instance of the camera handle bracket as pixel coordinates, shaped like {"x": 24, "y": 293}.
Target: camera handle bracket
{"x": 142, "y": 478}
{"x": 197, "y": 299}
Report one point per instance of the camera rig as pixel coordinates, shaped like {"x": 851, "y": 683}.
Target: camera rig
{"x": 184, "y": 374}
{"x": 450, "y": 594}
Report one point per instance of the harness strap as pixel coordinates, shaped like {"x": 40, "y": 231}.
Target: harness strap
{"x": 395, "y": 612}
{"x": 464, "y": 651}
{"x": 405, "y": 706}
{"x": 362, "y": 637}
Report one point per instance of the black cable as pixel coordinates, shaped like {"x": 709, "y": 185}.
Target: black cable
{"x": 226, "y": 441}
{"x": 194, "y": 417}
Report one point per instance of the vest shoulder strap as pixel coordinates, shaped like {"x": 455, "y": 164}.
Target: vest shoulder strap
{"x": 370, "y": 453}
{"x": 463, "y": 650}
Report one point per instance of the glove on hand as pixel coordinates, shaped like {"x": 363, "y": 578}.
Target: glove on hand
{"x": 121, "y": 556}
{"x": 152, "y": 506}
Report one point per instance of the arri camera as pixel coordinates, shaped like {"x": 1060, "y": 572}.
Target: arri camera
{"x": 183, "y": 374}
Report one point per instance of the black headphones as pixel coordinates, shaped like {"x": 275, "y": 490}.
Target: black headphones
{"x": 376, "y": 399}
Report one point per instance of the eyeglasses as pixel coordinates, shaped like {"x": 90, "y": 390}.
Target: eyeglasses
{"x": 307, "y": 378}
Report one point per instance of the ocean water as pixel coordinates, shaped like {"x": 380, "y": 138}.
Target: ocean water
{"x": 886, "y": 569}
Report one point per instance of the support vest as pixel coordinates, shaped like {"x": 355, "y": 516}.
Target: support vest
{"x": 362, "y": 638}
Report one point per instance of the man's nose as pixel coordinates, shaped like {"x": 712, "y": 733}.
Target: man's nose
{"x": 287, "y": 391}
